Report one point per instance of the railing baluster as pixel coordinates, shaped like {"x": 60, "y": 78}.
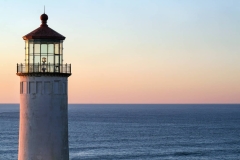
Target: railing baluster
{"x": 66, "y": 68}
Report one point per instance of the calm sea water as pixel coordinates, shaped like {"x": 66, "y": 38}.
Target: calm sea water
{"x": 171, "y": 132}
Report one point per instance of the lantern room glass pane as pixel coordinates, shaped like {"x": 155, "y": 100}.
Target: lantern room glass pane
{"x": 37, "y": 59}
{"x": 50, "y": 48}
{"x": 50, "y": 59}
{"x": 26, "y": 44}
{"x": 61, "y": 60}
{"x": 26, "y": 59}
{"x": 61, "y": 48}
{"x": 31, "y": 59}
{"x": 43, "y": 48}
{"x": 31, "y": 48}
{"x": 57, "y": 60}
{"x": 26, "y": 51}
{"x": 37, "y": 49}
{"x": 57, "y": 48}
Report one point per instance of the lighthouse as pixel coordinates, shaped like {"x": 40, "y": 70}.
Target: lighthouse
{"x": 43, "y": 126}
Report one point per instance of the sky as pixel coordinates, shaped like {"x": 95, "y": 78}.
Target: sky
{"x": 132, "y": 51}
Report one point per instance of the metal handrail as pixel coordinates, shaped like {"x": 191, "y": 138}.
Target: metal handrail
{"x": 43, "y": 68}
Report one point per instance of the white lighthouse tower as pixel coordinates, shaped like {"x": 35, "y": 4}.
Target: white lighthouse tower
{"x": 43, "y": 129}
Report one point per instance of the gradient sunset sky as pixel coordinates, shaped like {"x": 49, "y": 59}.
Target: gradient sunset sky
{"x": 133, "y": 51}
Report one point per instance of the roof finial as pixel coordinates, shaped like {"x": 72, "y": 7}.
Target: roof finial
{"x": 44, "y": 18}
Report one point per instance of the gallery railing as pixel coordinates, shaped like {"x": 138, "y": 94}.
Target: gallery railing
{"x": 44, "y": 68}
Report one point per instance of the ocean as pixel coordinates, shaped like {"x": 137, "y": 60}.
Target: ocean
{"x": 140, "y": 132}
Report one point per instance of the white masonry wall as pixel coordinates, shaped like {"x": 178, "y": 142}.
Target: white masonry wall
{"x": 43, "y": 130}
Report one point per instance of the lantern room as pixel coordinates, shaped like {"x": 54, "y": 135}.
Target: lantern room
{"x": 43, "y": 51}
{"x": 38, "y": 49}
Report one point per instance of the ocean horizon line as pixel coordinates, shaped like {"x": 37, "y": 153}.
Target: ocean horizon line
{"x": 142, "y": 103}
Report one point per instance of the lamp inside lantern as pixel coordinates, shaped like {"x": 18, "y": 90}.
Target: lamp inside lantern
{"x": 44, "y": 59}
